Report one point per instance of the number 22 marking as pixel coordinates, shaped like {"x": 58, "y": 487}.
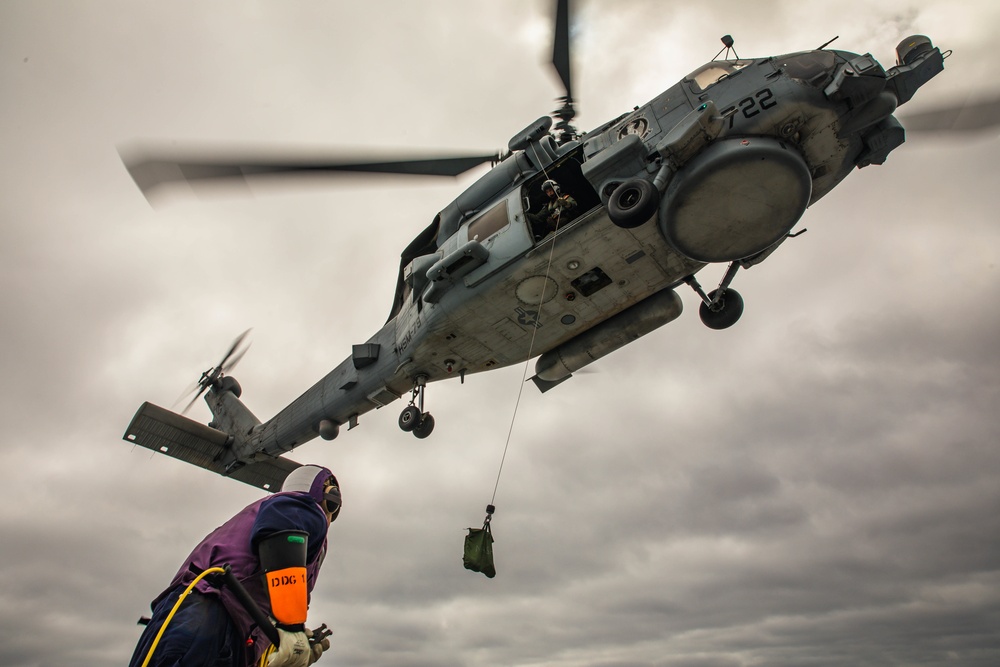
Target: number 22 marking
{"x": 751, "y": 106}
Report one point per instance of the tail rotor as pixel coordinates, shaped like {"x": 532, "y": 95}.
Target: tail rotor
{"x": 213, "y": 376}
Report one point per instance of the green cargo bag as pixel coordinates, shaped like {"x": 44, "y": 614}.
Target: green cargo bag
{"x": 479, "y": 551}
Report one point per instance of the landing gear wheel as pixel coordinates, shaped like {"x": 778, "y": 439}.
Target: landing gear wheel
{"x": 725, "y": 312}
{"x": 424, "y": 428}
{"x": 633, "y": 203}
{"x": 409, "y": 418}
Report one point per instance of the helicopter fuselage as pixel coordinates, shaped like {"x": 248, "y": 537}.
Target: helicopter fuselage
{"x": 716, "y": 169}
{"x": 490, "y": 295}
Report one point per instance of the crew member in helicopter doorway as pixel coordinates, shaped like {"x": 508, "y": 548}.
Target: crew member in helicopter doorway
{"x": 559, "y": 209}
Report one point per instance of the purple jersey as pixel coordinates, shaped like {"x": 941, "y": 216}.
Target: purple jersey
{"x": 234, "y": 543}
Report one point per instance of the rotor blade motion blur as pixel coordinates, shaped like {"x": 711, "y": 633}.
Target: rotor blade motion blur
{"x": 960, "y": 118}
{"x": 213, "y": 375}
{"x": 150, "y": 170}
{"x": 235, "y": 352}
{"x": 565, "y": 131}
{"x": 560, "y": 47}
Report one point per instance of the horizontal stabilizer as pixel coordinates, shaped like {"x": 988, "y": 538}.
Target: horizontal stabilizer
{"x": 169, "y": 433}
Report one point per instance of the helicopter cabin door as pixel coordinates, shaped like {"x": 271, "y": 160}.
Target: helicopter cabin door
{"x": 505, "y": 229}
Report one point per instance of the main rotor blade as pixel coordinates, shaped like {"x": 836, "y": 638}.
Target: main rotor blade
{"x": 561, "y": 46}
{"x": 150, "y": 171}
{"x": 959, "y": 118}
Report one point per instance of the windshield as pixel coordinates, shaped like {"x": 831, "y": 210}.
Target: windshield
{"x": 708, "y": 75}
{"x": 814, "y": 68}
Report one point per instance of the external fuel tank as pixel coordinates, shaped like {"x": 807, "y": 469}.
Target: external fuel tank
{"x": 633, "y": 322}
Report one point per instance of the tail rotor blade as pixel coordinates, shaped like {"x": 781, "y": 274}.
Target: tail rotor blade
{"x": 201, "y": 391}
{"x": 235, "y": 353}
{"x": 212, "y": 376}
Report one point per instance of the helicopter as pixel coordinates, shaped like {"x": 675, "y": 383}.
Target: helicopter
{"x": 717, "y": 169}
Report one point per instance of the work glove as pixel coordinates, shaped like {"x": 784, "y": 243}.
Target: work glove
{"x": 317, "y": 648}
{"x": 293, "y": 650}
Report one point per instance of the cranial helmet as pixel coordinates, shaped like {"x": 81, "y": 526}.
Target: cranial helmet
{"x": 551, "y": 185}
{"x": 313, "y": 479}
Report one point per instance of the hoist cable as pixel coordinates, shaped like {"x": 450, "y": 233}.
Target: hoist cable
{"x": 531, "y": 344}
{"x": 524, "y": 374}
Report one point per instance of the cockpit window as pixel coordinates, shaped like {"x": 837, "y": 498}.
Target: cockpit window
{"x": 708, "y": 75}
{"x": 814, "y": 68}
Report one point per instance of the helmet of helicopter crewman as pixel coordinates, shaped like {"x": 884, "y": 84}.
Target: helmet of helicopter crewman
{"x": 551, "y": 185}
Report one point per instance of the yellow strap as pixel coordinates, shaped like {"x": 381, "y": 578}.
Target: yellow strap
{"x": 177, "y": 606}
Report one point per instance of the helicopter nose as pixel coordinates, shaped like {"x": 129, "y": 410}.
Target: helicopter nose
{"x": 873, "y": 111}
{"x": 857, "y": 82}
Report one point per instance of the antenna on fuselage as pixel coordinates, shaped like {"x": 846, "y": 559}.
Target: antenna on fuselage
{"x": 828, "y": 43}
{"x": 727, "y": 41}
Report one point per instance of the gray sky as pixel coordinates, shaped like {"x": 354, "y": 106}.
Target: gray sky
{"x": 819, "y": 485}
